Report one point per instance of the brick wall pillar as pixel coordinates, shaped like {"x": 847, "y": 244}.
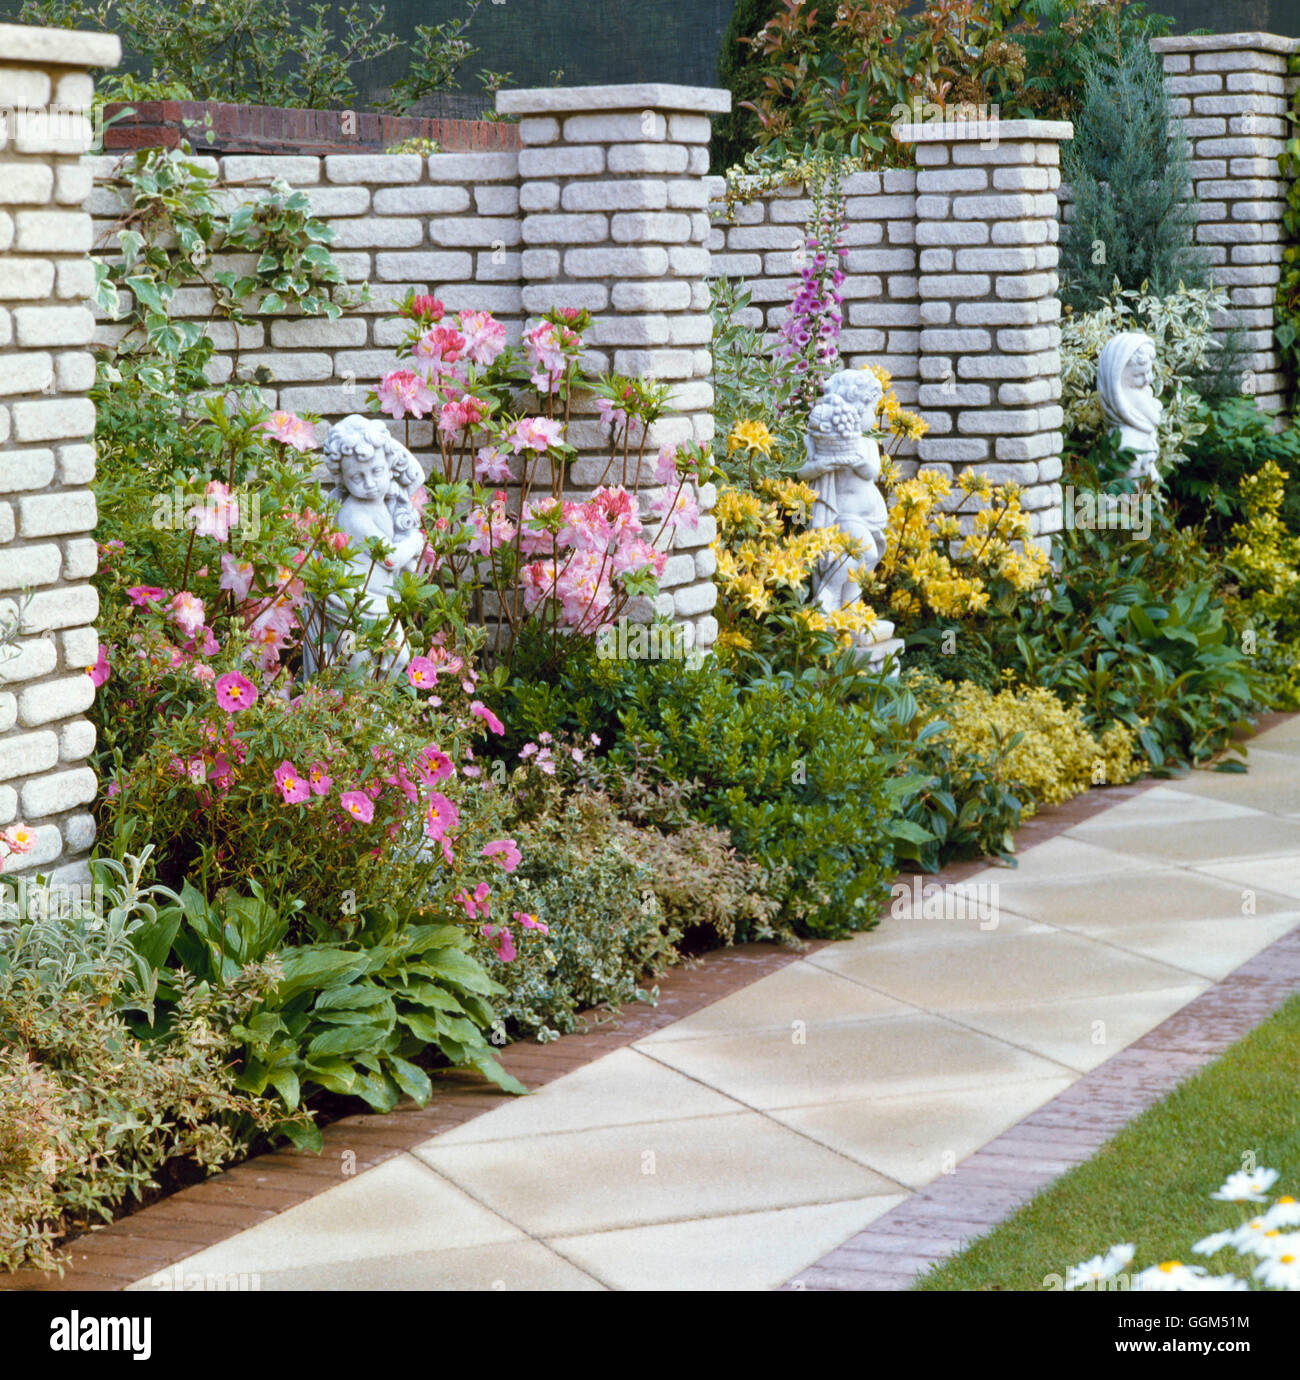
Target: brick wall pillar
{"x": 986, "y": 232}
{"x": 47, "y": 511}
{"x": 1230, "y": 91}
{"x": 612, "y": 196}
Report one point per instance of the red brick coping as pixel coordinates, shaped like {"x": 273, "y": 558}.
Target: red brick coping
{"x": 177, "y": 1226}
{"x": 269, "y": 129}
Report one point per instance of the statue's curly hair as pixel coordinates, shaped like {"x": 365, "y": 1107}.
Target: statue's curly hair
{"x": 358, "y": 436}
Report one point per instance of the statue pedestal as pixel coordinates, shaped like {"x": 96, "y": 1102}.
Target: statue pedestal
{"x": 877, "y": 645}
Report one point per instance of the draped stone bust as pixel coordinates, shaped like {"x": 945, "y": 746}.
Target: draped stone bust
{"x": 1125, "y": 385}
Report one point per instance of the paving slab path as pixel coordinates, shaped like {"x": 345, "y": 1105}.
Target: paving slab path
{"x": 736, "y": 1147}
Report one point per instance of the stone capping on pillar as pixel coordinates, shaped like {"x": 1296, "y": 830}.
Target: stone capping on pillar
{"x": 613, "y": 190}
{"x": 982, "y": 131}
{"x": 989, "y": 347}
{"x": 58, "y": 47}
{"x": 650, "y": 95}
{"x": 1224, "y": 43}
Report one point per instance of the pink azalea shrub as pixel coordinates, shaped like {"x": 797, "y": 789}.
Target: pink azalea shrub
{"x": 499, "y": 521}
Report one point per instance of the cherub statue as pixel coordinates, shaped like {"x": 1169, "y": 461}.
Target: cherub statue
{"x": 843, "y": 464}
{"x": 374, "y": 477}
{"x": 1125, "y": 374}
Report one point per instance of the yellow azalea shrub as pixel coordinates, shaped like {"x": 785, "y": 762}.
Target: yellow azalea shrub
{"x": 766, "y": 553}
{"x": 931, "y": 568}
{"x": 765, "y": 557}
{"x": 1056, "y": 757}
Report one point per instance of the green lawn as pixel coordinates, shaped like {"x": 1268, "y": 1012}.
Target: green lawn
{"x": 1150, "y": 1185}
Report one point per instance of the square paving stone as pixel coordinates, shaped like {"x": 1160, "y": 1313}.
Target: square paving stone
{"x": 1195, "y": 842}
{"x": 622, "y": 1176}
{"x": 1009, "y": 970}
{"x": 1157, "y": 895}
{"x": 890, "y": 1055}
{"x": 621, "y": 1088}
{"x": 399, "y": 1207}
{"x": 1271, "y": 784}
{"x": 1280, "y": 876}
{"x": 1083, "y": 1032}
{"x": 1210, "y": 948}
{"x": 802, "y": 992}
{"x": 749, "y": 1251}
{"x": 1283, "y": 737}
{"x": 1158, "y": 805}
{"x": 1064, "y": 856}
{"x": 515, "y": 1265}
{"x": 915, "y": 1139}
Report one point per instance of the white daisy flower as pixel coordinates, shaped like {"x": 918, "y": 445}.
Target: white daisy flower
{"x": 1284, "y": 1213}
{"x": 1170, "y": 1276}
{"x": 1098, "y": 1268}
{"x": 1280, "y": 1271}
{"x": 1245, "y": 1187}
{"x": 1209, "y": 1245}
{"x": 1216, "y": 1284}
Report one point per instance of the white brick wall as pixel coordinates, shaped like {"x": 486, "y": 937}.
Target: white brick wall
{"x": 46, "y": 553}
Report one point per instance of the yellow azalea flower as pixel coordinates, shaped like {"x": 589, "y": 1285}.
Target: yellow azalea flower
{"x": 752, "y": 436}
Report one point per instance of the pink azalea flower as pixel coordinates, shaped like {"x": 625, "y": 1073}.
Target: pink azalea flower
{"x": 292, "y": 786}
{"x": 217, "y": 514}
{"x": 443, "y": 345}
{"x": 421, "y": 672}
{"x": 504, "y": 851}
{"x": 423, "y": 307}
{"x": 236, "y": 576}
{"x": 100, "y": 672}
{"x": 485, "y": 336}
{"x": 358, "y": 805}
{"x": 678, "y": 508}
{"x": 480, "y": 711}
{"x": 491, "y": 467}
{"x": 504, "y": 941}
{"x": 534, "y": 433}
{"x": 235, "y": 692}
{"x": 441, "y": 816}
{"x": 404, "y": 392}
{"x": 318, "y": 778}
{"x": 461, "y": 413}
{"x": 666, "y": 467}
{"x": 144, "y": 595}
{"x": 187, "y": 612}
{"x": 291, "y": 430}
{"x": 530, "y": 922}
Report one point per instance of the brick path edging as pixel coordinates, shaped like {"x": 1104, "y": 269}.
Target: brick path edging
{"x": 175, "y": 1227}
